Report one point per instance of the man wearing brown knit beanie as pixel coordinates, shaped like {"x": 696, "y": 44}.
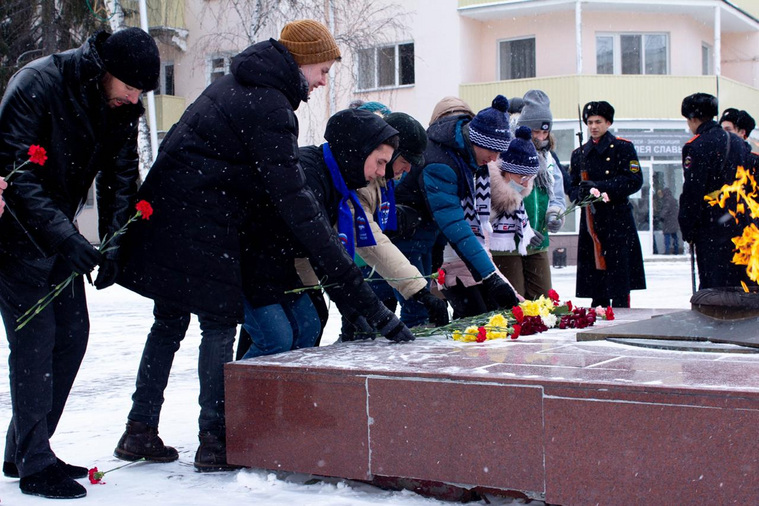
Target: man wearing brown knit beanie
{"x": 226, "y": 171}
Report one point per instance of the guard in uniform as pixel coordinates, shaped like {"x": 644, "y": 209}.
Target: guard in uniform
{"x": 741, "y": 124}
{"x": 710, "y": 160}
{"x": 609, "y": 258}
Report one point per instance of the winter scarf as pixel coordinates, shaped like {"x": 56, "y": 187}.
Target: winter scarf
{"x": 511, "y": 227}
{"x": 347, "y": 222}
{"x": 386, "y": 218}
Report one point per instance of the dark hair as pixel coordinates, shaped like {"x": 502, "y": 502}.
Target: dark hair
{"x": 393, "y": 141}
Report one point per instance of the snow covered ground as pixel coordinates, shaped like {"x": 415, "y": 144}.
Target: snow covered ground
{"x": 96, "y": 412}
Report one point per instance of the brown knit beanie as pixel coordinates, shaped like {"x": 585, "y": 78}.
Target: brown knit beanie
{"x": 309, "y": 42}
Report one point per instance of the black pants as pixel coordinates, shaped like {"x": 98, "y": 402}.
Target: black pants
{"x": 468, "y": 301}
{"x": 45, "y": 356}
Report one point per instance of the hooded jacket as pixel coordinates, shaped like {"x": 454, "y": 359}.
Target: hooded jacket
{"x": 227, "y": 181}
{"x": 57, "y": 102}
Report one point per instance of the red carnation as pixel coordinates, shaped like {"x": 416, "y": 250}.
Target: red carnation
{"x": 609, "y": 313}
{"x": 518, "y": 314}
{"x": 441, "y": 276}
{"x": 482, "y": 335}
{"x": 37, "y": 154}
{"x": 569, "y": 305}
{"x": 554, "y": 296}
{"x": 145, "y": 209}
{"x": 517, "y": 331}
{"x": 96, "y": 477}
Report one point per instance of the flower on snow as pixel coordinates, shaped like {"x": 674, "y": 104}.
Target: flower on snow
{"x": 517, "y": 331}
{"x": 518, "y": 314}
{"x": 96, "y": 476}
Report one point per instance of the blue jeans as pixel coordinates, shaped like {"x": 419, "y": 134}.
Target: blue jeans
{"x": 163, "y": 342}
{"x": 419, "y": 253}
{"x": 281, "y": 327}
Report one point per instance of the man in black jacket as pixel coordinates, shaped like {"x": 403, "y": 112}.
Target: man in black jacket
{"x": 609, "y": 258}
{"x": 229, "y": 167}
{"x": 82, "y": 106}
{"x": 710, "y": 160}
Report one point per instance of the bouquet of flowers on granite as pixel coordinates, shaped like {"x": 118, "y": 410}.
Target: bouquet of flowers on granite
{"x": 527, "y": 318}
{"x": 144, "y": 211}
{"x": 439, "y": 276}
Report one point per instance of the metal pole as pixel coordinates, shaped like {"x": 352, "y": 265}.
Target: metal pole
{"x": 151, "y": 96}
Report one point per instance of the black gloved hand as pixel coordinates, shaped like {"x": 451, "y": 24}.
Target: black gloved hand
{"x": 107, "y": 273}
{"x": 436, "y": 308}
{"x": 408, "y": 219}
{"x": 389, "y": 325}
{"x": 537, "y": 240}
{"x": 500, "y": 291}
{"x": 585, "y": 187}
{"x": 80, "y": 254}
{"x": 354, "y": 328}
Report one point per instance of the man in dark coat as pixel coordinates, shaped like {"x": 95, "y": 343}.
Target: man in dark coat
{"x": 710, "y": 160}
{"x": 230, "y": 164}
{"x": 741, "y": 124}
{"x": 609, "y": 258}
{"x": 82, "y": 106}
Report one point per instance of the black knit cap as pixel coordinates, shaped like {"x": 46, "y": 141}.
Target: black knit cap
{"x": 131, "y": 55}
{"x": 700, "y": 105}
{"x": 602, "y": 108}
{"x": 412, "y": 137}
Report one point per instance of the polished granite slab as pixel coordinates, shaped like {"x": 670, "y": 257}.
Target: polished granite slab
{"x": 546, "y": 416}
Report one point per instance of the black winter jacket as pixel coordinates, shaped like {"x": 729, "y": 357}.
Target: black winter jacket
{"x": 613, "y": 165}
{"x": 231, "y": 164}
{"x": 56, "y": 102}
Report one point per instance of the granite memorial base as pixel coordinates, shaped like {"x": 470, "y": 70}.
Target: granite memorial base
{"x": 544, "y": 417}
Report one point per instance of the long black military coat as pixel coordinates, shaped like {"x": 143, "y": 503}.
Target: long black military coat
{"x": 613, "y": 165}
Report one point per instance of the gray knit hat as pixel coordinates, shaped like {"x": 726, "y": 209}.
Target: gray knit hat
{"x": 536, "y": 113}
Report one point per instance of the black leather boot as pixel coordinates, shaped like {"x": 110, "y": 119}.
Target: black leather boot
{"x": 212, "y": 454}
{"x": 11, "y": 471}
{"x": 141, "y": 441}
{"x": 53, "y": 483}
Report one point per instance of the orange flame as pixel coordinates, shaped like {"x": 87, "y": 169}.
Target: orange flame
{"x": 746, "y": 245}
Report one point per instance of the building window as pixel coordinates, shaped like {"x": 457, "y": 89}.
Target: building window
{"x": 706, "y": 60}
{"x": 218, "y": 66}
{"x": 516, "y": 58}
{"x": 386, "y": 66}
{"x": 166, "y": 86}
{"x": 632, "y": 53}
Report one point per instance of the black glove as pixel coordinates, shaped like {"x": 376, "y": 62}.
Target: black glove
{"x": 500, "y": 291}
{"x": 354, "y": 328}
{"x": 107, "y": 273}
{"x": 585, "y": 187}
{"x": 80, "y": 254}
{"x": 389, "y": 325}
{"x": 537, "y": 240}
{"x": 408, "y": 220}
{"x": 436, "y": 308}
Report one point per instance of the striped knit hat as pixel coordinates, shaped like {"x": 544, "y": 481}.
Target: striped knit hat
{"x": 489, "y": 129}
{"x": 309, "y": 42}
{"x": 521, "y": 157}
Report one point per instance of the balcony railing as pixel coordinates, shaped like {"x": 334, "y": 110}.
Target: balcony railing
{"x": 168, "y": 110}
{"x": 633, "y": 96}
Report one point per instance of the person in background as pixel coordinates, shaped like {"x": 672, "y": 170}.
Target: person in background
{"x": 710, "y": 160}
{"x": 527, "y": 266}
{"x": 609, "y": 257}
{"x": 669, "y": 226}
{"x": 82, "y": 106}
{"x": 742, "y": 124}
